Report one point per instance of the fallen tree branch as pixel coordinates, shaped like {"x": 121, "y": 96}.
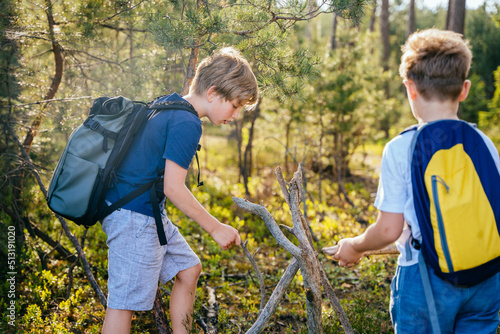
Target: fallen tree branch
{"x": 334, "y": 301}
{"x": 36, "y": 232}
{"x": 308, "y": 262}
{"x": 270, "y": 223}
{"x": 251, "y": 258}
{"x": 212, "y": 318}
{"x": 275, "y": 298}
{"x": 72, "y": 238}
{"x": 46, "y": 101}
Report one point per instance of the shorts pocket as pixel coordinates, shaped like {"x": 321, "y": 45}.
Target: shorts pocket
{"x": 143, "y": 226}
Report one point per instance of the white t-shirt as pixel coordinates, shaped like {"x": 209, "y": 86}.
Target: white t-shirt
{"x": 395, "y": 192}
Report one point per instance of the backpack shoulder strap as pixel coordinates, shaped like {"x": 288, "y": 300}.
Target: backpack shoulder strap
{"x": 182, "y": 105}
{"x": 178, "y": 105}
{"x": 429, "y": 296}
{"x": 410, "y": 128}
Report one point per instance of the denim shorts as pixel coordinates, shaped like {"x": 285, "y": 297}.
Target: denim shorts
{"x": 137, "y": 261}
{"x": 460, "y": 310}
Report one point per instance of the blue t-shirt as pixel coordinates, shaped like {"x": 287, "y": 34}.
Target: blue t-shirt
{"x": 170, "y": 134}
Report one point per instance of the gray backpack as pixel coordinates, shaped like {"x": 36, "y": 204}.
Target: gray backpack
{"x": 92, "y": 155}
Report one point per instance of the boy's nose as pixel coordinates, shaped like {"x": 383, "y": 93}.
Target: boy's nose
{"x": 236, "y": 114}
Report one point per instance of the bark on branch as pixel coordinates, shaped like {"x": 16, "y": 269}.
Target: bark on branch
{"x": 270, "y": 223}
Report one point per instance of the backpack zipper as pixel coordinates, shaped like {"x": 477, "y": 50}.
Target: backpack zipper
{"x": 442, "y": 232}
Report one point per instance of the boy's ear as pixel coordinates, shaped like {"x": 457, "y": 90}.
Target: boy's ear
{"x": 211, "y": 94}
{"x": 465, "y": 91}
{"x": 411, "y": 89}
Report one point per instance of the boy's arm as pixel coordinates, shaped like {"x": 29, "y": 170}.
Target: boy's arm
{"x": 382, "y": 233}
{"x": 177, "y": 192}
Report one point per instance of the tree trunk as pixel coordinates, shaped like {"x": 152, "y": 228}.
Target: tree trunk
{"x": 456, "y": 16}
{"x": 450, "y": 5}
{"x": 384, "y": 29}
{"x": 333, "y": 42}
{"x": 373, "y": 17}
{"x": 191, "y": 70}
{"x": 411, "y": 18}
{"x": 247, "y": 156}
{"x": 238, "y": 124}
{"x": 320, "y": 154}
{"x": 287, "y": 143}
{"x": 160, "y": 316}
{"x": 56, "y": 80}
{"x": 311, "y": 6}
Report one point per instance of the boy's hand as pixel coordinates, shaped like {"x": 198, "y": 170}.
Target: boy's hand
{"x": 345, "y": 253}
{"x": 226, "y": 236}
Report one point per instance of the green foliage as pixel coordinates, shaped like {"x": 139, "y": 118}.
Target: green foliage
{"x": 260, "y": 29}
{"x": 484, "y": 35}
{"x": 350, "y": 100}
{"x": 476, "y": 101}
{"x": 8, "y": 48}
{"x": 488, "y": 121}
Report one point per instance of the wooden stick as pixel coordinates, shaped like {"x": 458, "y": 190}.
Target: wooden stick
{"x": 262, "y": 284}
{"x": 389, "y": 250}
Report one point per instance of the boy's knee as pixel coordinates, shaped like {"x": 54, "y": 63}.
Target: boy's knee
{"x": 190, "y": 274}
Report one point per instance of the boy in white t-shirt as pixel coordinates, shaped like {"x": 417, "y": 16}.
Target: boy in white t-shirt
{"x": 434, "y": 68}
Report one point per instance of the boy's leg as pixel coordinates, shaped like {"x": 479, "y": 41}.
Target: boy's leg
{"x": 182, "y": 263}
{"x": 117, "y": 321}
{"x": 480, "y": 313}
{"x": 409, "y": 311}
{"x": 182, "y": 299}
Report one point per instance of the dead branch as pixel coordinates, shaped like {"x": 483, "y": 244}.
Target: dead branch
{"x": 122, "y": 29}
{"x": 270, "y": 223}
{"x": 212, "y": 318}
{"x": 308, "y": 262}
{"x": 304, "y": 257}
{"x": 275, "y": 298}
{"x": 251, "y": 258}
{"x": 70, "y": 279}
{"x": 334, "y": 301}
{"x": 72, "y": 238}
{"x": 46, "y": 101}
{"x": 36, "y": 232}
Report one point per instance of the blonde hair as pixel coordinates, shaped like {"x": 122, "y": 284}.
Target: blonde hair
{"x": 437, "y": 61}
{"x": 230, "y": 73}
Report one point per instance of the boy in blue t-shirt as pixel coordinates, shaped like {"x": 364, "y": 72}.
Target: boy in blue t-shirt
{"x": 223, "y": 84}
{"x": 434, "y": 69}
